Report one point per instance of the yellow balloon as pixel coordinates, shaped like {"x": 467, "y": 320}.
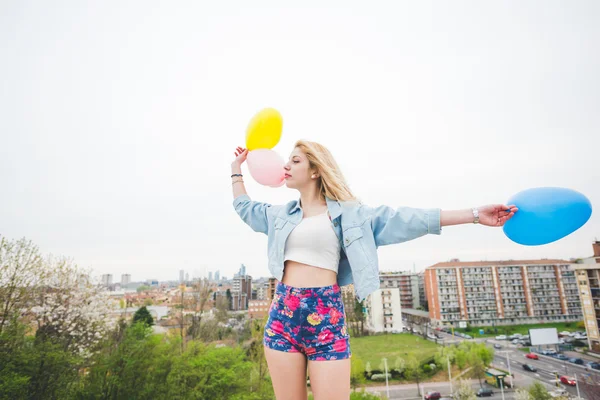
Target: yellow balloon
{"x": 264, "y": 130}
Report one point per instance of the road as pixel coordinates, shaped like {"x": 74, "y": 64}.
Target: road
{"x": 546, "y": 366}
{"x": 409, "y": 392}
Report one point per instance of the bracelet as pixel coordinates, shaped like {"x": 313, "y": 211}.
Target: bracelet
{"x": 475, "y": 215}
{"x": 236, "y": 175}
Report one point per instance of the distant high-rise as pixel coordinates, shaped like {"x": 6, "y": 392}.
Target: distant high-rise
{"x": 217, "y": 276}
{"x": 107, "y": 279}
{"x": 241, "y": 272}
{"x": 187, "y": 276}
{"x": 125, "y": 279}
{"x": 181, "y": 272}
{"x": 210, "y": 276}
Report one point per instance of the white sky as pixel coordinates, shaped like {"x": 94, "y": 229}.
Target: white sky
{"x": 119, "y": 120}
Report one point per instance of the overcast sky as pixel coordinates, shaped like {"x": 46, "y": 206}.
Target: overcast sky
{"x": 119, "y": 120}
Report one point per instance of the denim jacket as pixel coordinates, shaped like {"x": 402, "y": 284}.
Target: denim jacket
{"x": 361, "y": 230}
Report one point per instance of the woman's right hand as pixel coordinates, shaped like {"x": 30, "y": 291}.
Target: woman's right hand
{"x": 240, "y": 156}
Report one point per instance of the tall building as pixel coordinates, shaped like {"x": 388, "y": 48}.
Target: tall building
{"x": 217, "y": 276}
{"x": 384, "y": 310}
{"x": 210, "y": 276}
{"x": 266, "y": 291}
{"x": 241, "y": 292}
{"x": 486, "y": 293}
{"x": 187, "y": 276}
{"x": 125, "y": 279}
{"x": 407, "y": 282}
{"x": 241, "y": 272}
{"x": 181, "y": 275}
{"x": 588, "y": 280}
{"x": 107, "y": 279}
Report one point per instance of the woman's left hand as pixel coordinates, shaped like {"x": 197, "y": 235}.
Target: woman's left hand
{"x": 496, "y": 214}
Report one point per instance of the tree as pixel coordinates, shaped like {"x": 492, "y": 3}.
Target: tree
{"x": 368, "y": 369}
{"x": 399, "y": 365}
{"x": 143, "y": 288}
{"x": 201, "y": 294}
{"x": 22, "y": 271}
{"x": 229, "y": 299}
{"x": 464, "y": 391}
{"x": 357, "y": 372}
{"x": 538, "y": 391}
{"x": 522, "y": 394}
{"x": 72, "y": 316}
{"x": 414, "y": 372}
{"x": 143, "y": 315}
{"x": 360, "y": 316}
{"x": 256, "y": 354}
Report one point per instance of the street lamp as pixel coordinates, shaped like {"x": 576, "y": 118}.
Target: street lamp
{"x": 387, "y": 388}
{"x": 509, "y": 371}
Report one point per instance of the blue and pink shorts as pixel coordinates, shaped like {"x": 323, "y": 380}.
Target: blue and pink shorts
{"x": 311, "y": 321}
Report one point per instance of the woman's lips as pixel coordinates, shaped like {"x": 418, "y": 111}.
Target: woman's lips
{"x": 287, "y": 176}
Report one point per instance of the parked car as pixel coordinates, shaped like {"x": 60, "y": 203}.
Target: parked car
{"x": 529, "y": 367}
{"x": 515, "y": 336}
{"x": 560, "y": 356}
{"x": 467, "y": 336}
{"x": 532, "y": 356}
{"x": 548, "y": 352}
{"x": 433, "y": 396}
{"x": 501, "y": 337}
{"x": 567, "y": 380}
{"x": 564, "y": 333}
{"x": 515, "y": 341}
{"x": 577, "y": 361}
{"x": 484, "y": 393}
{"x": 497, "y": 346}
{"x": 593, "y": 365}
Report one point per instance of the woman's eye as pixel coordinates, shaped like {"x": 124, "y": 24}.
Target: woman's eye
{"x": 295, "y": 162}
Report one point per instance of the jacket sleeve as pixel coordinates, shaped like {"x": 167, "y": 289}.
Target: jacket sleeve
{"x": 253, "y": 213}
{"x": 391, "y": 226}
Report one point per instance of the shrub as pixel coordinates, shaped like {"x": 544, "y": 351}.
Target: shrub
{"x": 380, "y": 377}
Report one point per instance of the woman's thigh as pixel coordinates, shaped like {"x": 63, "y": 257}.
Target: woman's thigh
{"x": 330, "y": 380}
{"x": 288, "y": 374}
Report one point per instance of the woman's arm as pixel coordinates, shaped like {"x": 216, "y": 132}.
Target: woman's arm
{"x": 490, "y": 215}
{"x": 237, "y": 182}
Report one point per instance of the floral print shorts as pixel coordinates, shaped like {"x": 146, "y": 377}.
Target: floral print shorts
{"x": 310, "y": 321}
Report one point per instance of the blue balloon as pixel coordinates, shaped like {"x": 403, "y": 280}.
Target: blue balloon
{"x": 546, "y": 214}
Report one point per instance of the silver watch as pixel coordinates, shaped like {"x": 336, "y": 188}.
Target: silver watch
{"x": 475, "y": 215}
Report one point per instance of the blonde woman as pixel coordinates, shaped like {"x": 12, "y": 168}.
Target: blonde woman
{"x": 325, "y": 240}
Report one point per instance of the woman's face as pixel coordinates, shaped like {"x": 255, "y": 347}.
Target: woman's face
{"x": 297, "y": 170}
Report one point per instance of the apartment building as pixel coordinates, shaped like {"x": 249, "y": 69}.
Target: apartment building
{"x": 588, "y": 280}
{"x": 409, "y": 284}
{"x": 384, "y": 310}
{"x": 486, "y": 293}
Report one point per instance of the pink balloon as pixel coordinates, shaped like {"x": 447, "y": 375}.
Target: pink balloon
{"x": 266, "y": 167}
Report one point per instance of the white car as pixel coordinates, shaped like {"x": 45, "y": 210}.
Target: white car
{"x": 564, "y": 333}
{"x": 501, "y": 337}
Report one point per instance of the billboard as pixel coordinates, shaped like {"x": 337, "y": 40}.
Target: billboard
{"x": 543, "y": 336}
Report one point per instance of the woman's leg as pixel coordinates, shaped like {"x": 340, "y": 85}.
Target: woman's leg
{"x": 288, "y": 374}
{"x": 330, "y": 380}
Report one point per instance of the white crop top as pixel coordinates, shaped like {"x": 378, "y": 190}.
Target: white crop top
{"x": 314, "y": 242}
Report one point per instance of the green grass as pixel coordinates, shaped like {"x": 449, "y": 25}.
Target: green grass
{"x": 522, "y": 329}
{"x": 373, "y": 348}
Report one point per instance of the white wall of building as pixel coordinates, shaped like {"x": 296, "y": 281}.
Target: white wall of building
{"x": 384, "y": 310}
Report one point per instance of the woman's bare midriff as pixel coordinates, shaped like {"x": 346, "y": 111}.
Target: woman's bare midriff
{"x": 302, "y": 275}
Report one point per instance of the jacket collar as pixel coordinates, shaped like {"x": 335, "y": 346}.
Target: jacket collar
{"x": 333, "y": 206}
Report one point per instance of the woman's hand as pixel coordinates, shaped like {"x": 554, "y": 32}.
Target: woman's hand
{"x": 240, "y": 156}
{"x": 496, "y": 214}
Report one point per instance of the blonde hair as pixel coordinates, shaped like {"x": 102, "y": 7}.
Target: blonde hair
{"x": 331, "y": 182}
